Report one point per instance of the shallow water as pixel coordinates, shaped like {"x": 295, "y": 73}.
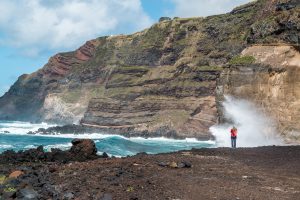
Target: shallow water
{"x": 17, "y": 139}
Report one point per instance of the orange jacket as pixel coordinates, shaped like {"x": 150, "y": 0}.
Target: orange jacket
{"x": 233, "y": 132}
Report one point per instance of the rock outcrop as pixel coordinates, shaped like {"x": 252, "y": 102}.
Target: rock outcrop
{"x": 160, "y": 80}
{"x": 272, "y": 82}
{"x": 81, "y": 150}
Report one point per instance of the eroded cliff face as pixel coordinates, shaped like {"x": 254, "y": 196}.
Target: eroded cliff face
{"x": 162, "y": 79}
{"x": 272, "y": 82}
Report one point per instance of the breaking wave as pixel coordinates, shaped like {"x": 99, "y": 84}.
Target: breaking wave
{"x": 13, "y": 135}
{"x": 16, "y": 127}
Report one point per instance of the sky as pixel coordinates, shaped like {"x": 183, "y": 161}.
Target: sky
{"x": 33, "y": 30}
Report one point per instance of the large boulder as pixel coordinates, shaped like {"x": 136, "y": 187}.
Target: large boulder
{"x": 83, "y": 149}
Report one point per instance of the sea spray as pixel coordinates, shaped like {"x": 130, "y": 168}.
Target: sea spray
{"x": 255, "y": 128}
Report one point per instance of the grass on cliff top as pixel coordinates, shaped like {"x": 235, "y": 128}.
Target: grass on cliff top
{"x": 242, "y": 60}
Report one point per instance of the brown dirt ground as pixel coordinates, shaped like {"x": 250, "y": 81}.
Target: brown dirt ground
{"x": 247, "y": 173}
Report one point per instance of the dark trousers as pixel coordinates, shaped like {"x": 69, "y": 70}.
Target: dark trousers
{"x": 233, "y": 142}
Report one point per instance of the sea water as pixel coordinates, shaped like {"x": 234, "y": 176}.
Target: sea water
{"x": 13, "y": 135}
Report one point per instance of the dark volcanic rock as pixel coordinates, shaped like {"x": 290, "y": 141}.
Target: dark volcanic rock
{"x": 66, "y": 129}
{"x": 287, "y": 5}
{"x": 140, "y": 177}
{"x": 82, "y": 150}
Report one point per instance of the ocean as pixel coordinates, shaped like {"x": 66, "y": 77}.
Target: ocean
{"x": 13, "y": 136}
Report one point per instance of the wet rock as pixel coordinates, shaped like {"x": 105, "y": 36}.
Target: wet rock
{"x": 70, "y": 128}
{"x": 105, "y": 155}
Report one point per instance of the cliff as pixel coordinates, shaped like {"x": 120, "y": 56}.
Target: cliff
{"x": 164, "y": 79}
{"x": 272, "y": 82}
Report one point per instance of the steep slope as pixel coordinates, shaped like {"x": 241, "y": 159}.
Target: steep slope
{"x": 162, "y": 79}
{"x": 272, "y": 82}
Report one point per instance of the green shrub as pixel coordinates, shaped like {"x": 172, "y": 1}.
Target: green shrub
{"x": 242, "y": 60}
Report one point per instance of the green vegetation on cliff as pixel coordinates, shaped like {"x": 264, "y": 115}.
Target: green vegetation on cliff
{"x": 242, "y": 60}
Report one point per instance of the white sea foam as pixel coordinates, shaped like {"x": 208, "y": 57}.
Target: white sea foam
{"x": 254, "y": 127}
{"x": 6, "y": 146}
{"x": 30, "y": 146}
{"x": 21, "y": 128}
{"x": 64, "y": 146}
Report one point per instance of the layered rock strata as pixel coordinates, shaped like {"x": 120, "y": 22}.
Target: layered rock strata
{"x": 163, "y": 79}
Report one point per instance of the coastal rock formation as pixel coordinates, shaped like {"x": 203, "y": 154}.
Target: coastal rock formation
{"x": 272, "y": 82}
{"x": 81, "y": 150}
{"x": 162, "y": 79}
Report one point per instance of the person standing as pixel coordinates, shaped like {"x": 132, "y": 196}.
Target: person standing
{"x": 233, "y": 132}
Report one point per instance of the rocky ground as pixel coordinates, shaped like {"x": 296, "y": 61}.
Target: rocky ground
{"x": 246, "y": 173}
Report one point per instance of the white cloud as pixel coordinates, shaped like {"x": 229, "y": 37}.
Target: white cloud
{"x": 39, "y": 25}
{"x": 193, "y": 8}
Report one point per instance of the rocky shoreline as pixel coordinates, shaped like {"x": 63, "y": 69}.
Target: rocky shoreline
{"x": 126, "y": 132}
{"x": 221, "y": 173}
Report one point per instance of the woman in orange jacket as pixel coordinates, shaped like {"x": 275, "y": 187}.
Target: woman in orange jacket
{"x": 233, "y": 132}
